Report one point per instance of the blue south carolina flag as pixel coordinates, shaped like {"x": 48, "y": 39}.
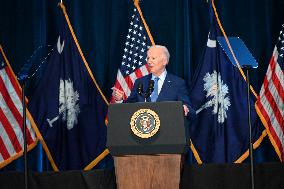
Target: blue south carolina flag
{"x": 220, "y": 133}
{"x": 68, "y": 106}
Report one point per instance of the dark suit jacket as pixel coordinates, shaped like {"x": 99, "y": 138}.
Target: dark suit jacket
{"x": 173, "y": 89}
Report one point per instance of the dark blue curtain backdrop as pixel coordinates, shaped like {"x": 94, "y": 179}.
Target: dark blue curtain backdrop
{"x": 101, "y": 27}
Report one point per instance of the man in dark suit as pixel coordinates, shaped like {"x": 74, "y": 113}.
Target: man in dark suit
{"x": 167, "y": 87}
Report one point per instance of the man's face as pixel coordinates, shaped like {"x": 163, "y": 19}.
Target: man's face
{"x": 156, "y": 61}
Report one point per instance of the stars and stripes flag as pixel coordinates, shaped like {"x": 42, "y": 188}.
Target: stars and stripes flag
{"x": 133, "y": 65}
{"x": 270, "y": 106}
{"x": 11, "y": 116}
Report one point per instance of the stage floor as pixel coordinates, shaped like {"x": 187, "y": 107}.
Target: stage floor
{"x": 209, "y": 176}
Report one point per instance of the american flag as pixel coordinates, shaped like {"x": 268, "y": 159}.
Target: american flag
{"x": 11, "y": 119}
{"x": 270, "y": 103}
{"x": 133, "y": 64}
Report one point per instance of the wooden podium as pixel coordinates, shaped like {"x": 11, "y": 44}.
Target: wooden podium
{"x": 147, "y": 171}
{"x": 147, "y": 163}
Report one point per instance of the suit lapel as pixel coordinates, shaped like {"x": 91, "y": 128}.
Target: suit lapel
{"x": 166, "y": 87}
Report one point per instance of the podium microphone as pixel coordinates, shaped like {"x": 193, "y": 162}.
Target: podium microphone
{"x": 150, "y": 88}
{"x": 140, "y": 88}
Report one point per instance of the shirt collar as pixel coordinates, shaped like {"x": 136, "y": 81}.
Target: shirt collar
{"x": 162, "y": 77}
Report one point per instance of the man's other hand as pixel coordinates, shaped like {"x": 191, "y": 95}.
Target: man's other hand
{"x": 117, "y": 94}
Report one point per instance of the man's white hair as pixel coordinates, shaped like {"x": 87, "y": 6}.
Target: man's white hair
{"x": 165, "y": 51}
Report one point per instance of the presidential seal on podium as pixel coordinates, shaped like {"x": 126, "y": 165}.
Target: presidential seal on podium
{"x": 145, "y": 123}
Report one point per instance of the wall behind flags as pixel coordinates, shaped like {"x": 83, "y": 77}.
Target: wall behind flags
{"x": 101, "y": 28}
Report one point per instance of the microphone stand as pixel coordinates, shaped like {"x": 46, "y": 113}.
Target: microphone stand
{"x": 144, "y": 95}
{"x": 25, "y": 134}
{"x": 247, "y": 68}
{"x": 148, "y": 92}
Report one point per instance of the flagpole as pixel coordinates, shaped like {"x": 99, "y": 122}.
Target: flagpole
{"x": 25, "y": 135}
{"x": 247, "y": 67}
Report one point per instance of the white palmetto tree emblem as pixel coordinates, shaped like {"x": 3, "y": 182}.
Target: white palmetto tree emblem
{"x": 217, "y": 92}
{"x": 68, "y": 104}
